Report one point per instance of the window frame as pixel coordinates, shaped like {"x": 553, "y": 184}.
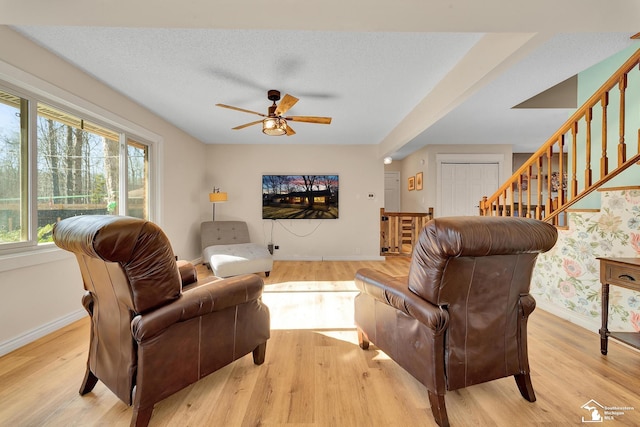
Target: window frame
{"x": 71, "y": 104}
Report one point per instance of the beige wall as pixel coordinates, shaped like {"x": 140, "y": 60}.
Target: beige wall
{"x": 424, "y": 160}
{"x": 238, "y": 170}
{"x": 41, "y": 290}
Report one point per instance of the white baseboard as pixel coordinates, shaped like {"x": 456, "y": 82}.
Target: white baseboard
{"x": 329, "y": 258}
{"x": 40, "y": 331}
{"x": 354, "y": 258}
{"x": 573, "y": 317}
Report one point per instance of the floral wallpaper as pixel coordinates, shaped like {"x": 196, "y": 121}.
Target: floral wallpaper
{"x": 568, "y": 276}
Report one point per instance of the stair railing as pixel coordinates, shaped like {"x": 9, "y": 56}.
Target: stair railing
{"x": 399, "y": 231}
{"x": 548, "y": 183}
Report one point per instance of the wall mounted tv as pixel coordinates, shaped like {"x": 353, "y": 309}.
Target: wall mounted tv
{"x": 300, "y": 196}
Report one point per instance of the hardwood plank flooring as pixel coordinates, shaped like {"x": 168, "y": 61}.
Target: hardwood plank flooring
{"x": 316, "y": 375}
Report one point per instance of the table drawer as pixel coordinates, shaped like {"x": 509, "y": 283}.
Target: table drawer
{"x": 623, "y": 276}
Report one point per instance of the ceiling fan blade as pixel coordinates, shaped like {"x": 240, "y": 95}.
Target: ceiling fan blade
{"x": 289, "y": 131}
{"x": 310, "y": 119}
{"x": 240, "y": 109}
{"x": 286, "y": 103}
{"x": 247, "y": 125}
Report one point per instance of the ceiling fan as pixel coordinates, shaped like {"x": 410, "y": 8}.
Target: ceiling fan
{"x": 274, "y": 123}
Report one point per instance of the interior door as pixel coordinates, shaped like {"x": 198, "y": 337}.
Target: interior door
{"x": 392, "y": 191}
{"x": 464, "y": 184}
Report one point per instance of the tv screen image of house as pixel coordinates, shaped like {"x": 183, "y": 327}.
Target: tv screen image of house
{"x": 300, "y": 196}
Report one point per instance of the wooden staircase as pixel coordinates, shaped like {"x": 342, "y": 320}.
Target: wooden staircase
{"x": 562, "y": 172}
{"x": 599, "y": 142}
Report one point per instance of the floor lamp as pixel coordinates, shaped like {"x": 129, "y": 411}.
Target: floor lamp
{"x": 216, "y": 196}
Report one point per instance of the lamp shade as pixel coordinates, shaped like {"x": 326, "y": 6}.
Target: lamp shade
{"x": 220, "y": 196}
{"x": 274, "y": 126}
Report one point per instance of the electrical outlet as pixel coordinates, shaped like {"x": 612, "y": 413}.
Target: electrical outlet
{"x": 277, "y": 247}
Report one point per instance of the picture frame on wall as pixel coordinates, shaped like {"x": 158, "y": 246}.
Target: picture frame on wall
{"x": 412, "y": 183}
{"x": 419, "y": 181}
{"x": 300, "y": 196}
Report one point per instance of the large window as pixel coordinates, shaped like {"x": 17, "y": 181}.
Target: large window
{"x": 79, "y": 168}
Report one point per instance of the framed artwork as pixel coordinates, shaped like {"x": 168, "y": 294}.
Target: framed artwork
{"x": 412, "y": 183}
{"x": 300, "y": 196}
{"x": 419, "y": 181}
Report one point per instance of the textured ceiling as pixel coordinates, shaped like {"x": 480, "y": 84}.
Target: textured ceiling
{"x": 452, "y": 80}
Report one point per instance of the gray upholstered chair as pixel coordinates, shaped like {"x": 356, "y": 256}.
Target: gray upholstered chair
{"x": 228, "y": 250}
{"x": 460, "y": 317}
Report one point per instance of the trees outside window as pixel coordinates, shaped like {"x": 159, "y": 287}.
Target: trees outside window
{"x": 13, "y": 155}
{"x": 81, "y": 168}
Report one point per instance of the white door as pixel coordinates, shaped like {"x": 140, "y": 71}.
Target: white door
{"x": 462, "y": 186}
{"x": 392, "y": 191}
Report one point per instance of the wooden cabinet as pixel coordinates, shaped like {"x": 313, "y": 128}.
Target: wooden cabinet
{"x": 623, "y": 272}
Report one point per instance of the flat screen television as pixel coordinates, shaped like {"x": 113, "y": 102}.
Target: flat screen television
{"x": 300, "y": 196}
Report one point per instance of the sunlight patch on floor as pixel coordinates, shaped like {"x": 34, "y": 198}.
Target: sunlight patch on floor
{"x": 311, "y": 286}
{"x": 311, "y": 305}
{"x": 380, "y": 356}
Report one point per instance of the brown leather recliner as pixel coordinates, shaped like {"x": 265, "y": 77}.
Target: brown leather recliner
{"x": 150, "y": 339}
{"x": 460, "y": 317}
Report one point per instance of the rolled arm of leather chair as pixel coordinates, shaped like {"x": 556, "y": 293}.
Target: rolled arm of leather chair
{"x": 207, "y": 298}
{"x": 87, "y": 302}
{"x": 393, "y": 291}
{"x": 528, "y": 304}
{"x": 188, "y": 272}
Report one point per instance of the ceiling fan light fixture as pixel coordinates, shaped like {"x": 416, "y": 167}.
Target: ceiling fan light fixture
{"x": 274, "y": 126}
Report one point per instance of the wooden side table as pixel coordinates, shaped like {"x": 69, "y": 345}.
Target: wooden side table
{"x": 623, "y": 272}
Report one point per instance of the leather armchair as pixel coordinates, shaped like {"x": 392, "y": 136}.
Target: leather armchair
{"x": 149, "y": 338}
{"x": 460, "y": 317}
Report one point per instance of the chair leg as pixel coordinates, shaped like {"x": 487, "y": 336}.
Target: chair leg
{"x": 525, "y": 386}
{"x": 259, "y": 353}
{"x": 438, "y": 409}
{"x": 363, "y": 339}
{"x": 141, "y": 417}
{"x": 88, "y": 383}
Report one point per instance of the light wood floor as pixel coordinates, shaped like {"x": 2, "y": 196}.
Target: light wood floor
{"x": 316, "y": 375}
